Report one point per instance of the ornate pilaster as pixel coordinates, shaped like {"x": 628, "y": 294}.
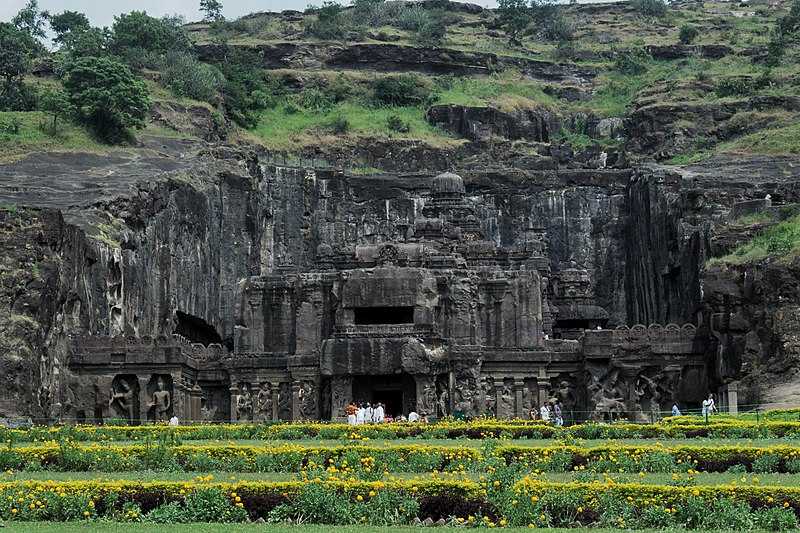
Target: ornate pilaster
{"x": 234, "y": 396}
{"x": 341, "y": 395}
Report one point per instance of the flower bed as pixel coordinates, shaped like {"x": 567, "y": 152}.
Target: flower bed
{"x": 528, "y": 502}
{"x": 374, "y": 460}
{"x": 679, "y": 427}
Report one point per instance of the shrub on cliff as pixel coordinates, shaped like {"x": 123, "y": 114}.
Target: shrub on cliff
{"x": 785, "y": 31}
{"x": 401, "y": 90}
{"x": 186, "y": 76}
{"x": 330, "y": 22}
{"x": 688, "y": 34}
{"x": 650, "y": 8}
{"x": 107, "y": 97}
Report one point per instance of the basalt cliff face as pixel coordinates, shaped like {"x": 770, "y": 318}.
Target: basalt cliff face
{"x": 167, "y": 251}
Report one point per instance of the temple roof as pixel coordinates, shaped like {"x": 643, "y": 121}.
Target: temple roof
{"x": 447, "y": 183}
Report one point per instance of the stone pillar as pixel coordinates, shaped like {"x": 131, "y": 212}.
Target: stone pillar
{"x": 195, "y": 403}
{"x": 234, "y": 394}
{"x": 518, "y": 407}
{"x": 733, "y": 398}
{"x": 295, "y": 400}
{"x": 180, "y": 399}
{"x": 482, "y": 381}
{"x": 543, "y": 384}
{"x": 499, "y": 408}
{"x": 275, "y": 386}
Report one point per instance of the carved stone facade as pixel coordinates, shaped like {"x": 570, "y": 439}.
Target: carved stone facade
{"x": 439, "y": 319}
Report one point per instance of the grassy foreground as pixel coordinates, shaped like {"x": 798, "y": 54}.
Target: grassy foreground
{"x": 119, "y": 527}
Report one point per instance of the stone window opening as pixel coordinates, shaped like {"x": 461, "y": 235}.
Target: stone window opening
{"x": 384, "y": 315}
{"x": 196, "y": 329}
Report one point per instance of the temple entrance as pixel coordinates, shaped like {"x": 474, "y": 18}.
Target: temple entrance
{"x": 397, "y": 392}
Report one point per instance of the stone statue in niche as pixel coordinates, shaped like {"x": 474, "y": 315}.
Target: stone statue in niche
{"x": 341, "y": 392}
{"x": 307, "y": 397}
{"x": 652, "y": 394}
{"x": 489, "y": 397}
{"x": 506, "y": 402}
{"x": 466, "y": 391}
{"x": 161, "y": 402}
{"x": 428, "y": 406}
{"x": 263, "y": 408}
{"x": 607, "y": 398}
{"x": 527, "y": 401}
{"x": 443, "y": 397}
{"x": 565, "y": 395}
{"x": 207, "y": 410}
{"x": 244, "y": 404}
{"x": 123, "y": 398}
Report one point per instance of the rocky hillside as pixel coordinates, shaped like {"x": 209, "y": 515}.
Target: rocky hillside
{"x": 657, "y": 148}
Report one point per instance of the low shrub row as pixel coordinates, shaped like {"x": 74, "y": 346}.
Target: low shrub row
{"x": 528, "y": 502}
{"x": 365, "y": 460}
{"x": 373, "y": 461}
{"x": 476, "y": 429}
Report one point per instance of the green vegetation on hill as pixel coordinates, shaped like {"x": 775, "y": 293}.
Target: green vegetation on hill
{"x": 33, "y": 134}
{"x": 781, "y": 241}
{"x": 285, "y": 125}
{"x": 298, "y": 107}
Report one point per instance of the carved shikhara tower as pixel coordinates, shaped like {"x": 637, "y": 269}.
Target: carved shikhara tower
{"x": 438, "y": 318}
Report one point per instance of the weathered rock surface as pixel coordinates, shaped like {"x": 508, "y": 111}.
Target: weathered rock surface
{"x": 667, "y": 129}
{"x": 482, "y": 123}
{"x": 394, "y": 57}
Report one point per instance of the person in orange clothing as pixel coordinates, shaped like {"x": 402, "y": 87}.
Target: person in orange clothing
{"x": 350, "y": 410}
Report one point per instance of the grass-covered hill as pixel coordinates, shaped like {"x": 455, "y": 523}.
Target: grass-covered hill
{"x": 675, "y": 82}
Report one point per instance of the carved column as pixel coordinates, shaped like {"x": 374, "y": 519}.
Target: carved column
{"x": 482, "y": 395}
{"x": 295, "y": 400}
{"x": 543, "y": 384}
{"x": 518, "y": 406}
{"x": 234, "y": 395}
{"x": 180, "y": 399}
{"x": 275, "y": 386}
{"x": 733, "y": 398}
{"x": 195, "y": 402}
{"x": 499, "y": 408}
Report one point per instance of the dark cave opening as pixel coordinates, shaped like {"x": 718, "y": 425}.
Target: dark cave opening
{"x": 196, "y": 329}
{"x": 384, "y": 315}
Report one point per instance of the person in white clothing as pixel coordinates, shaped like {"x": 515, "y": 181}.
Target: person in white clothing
{"x": 369, "y": 415}
{"x": 545, "y": 413}
{"x": 708, "y": 405}
{"x": 378, "y": 414}
{"x": 413, "y": 416}
{"x": 360, "y": 414}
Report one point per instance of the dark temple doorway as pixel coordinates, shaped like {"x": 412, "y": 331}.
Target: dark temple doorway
{"x": 397, "y": 392}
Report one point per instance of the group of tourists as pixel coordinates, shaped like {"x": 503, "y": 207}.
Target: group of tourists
{"x": 548, "y": 412}
{"x": 365, "y": 413}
